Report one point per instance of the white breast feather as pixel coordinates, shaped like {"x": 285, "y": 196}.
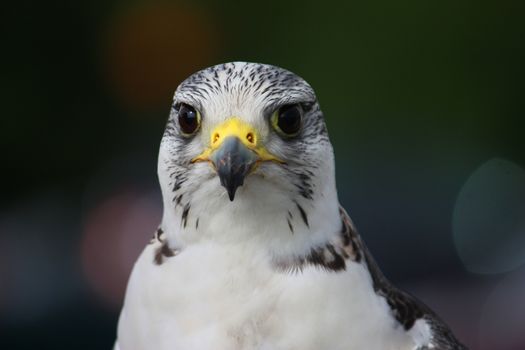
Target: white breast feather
{"x": 215, "y": 298}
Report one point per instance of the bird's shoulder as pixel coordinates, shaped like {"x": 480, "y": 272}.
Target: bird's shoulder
{"x": 415, "y": 316}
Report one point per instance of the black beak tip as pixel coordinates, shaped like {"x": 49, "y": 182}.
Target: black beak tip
{"x": 232, "y": 186}
{"x": 231, "y": 194}
{"x": 231, "y": 183}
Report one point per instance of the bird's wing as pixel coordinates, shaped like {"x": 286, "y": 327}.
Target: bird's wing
{"x": 406, "y": 309}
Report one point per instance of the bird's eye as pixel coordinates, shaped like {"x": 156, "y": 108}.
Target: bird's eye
{"x": 287, "y": 120}
{"x": 189, "y": 119}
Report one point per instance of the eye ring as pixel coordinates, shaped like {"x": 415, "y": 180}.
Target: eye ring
{"x": 189, "y": 119}
{"x": 287, "y": 120}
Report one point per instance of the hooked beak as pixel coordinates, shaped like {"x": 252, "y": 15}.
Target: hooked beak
{"x": 234, "y": 153}
{"x": 233, "y": 161}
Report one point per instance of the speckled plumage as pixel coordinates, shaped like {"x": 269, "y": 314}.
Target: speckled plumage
{"x": 282, "y": 266}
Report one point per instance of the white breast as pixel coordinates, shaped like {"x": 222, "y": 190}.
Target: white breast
{"x": 229, "y": 297}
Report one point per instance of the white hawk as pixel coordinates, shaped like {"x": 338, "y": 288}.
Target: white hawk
{"x": 254, "y": 250}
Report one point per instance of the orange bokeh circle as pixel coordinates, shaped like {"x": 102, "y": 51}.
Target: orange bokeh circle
{"x": 151, "y": 48}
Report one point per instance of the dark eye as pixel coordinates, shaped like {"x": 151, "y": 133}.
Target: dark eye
{"x": 189, "y": 119}
{"x": 287, "y": 119}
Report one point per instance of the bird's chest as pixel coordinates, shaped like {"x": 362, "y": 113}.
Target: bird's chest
{"x": 200, "y": 299}
{"x": 207, "y": 298}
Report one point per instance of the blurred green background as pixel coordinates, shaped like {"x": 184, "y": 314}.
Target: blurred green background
{"x": 419, "y": 97}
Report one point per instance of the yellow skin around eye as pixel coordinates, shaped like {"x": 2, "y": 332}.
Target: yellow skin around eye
{"x": 274, "y": 120}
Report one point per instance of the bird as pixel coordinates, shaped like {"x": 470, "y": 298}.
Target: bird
{"x": 254, "y": 250}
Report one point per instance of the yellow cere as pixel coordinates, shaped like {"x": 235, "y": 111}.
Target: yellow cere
{"x": 244, "y": 132}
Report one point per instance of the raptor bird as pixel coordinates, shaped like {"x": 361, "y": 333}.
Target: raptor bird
{"x": 254, "y": 250}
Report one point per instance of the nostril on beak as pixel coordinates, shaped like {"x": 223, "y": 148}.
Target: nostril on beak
{"x": 216, "y": 137}
{"x": 250, "y": 138}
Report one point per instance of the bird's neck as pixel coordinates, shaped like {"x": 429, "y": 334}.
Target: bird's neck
{"x": 260, "y": 217}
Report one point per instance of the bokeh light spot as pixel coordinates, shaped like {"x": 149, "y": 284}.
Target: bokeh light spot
{"x": 502, "y": 324}
{"x": 489, "y": 218}
{"x": 115, "y": 233}
{"x": 152, "y": 47}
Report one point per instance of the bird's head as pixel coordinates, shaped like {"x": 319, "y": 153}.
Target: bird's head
{"x": 244, "y": 136}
